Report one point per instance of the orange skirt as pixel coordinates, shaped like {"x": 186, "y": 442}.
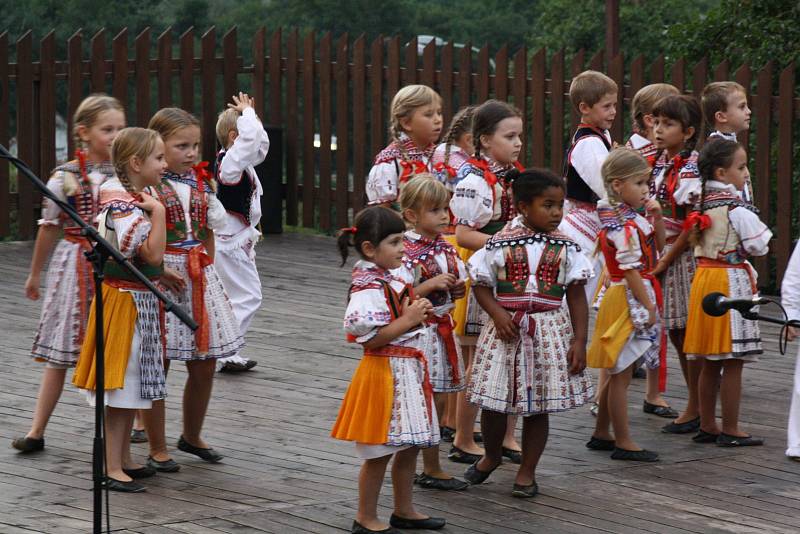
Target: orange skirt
{"x": 459, "y": 313}
{"x": 366, "y": 409}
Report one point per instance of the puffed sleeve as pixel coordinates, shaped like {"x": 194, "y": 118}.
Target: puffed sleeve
{"x": 690, "y": 186}
{"x": 130, "y": 225}
{"x": 249, "y": 148}
{"x": 462, "y": 269}
{"x": 404, "y": 273}
{"x": 472, "y": 203}
{"x": 790, "y": 288}
{"x": 587, "y": 157}
{"x": 483, "y": 266}
{"x": 366, "y": 313}
{"x": 629, "y": 252}
{"x": 578, "y": 269}
{"x": 382, "y": 183}
{"x": 50, "y": 211}
{"x": 216, "y": 212}
{"x": 754, "y": 234}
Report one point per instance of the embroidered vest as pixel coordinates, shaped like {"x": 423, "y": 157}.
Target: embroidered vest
{"x": 176, "y": 220}
{"x": 577, "y": 188}
{"x": 237, "y": 198}
{"x": 421, "y": 259}
{"x": 646, "y": 242}
{"x": 78, "y": 189}
{"x": 720, "y": 241}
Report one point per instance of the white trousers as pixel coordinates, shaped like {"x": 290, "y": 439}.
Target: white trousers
{"x": 793, "y": 438}
{"x": 237, "y": 270}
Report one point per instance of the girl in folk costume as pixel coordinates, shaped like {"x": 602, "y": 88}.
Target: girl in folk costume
{"x": 725, "y": 232}
{"x": 70, "y": 288}
{"x": 531, "y": 355}
{"x": 416, "y": 124}
{"x": 675, "y": 184}
{"x": 134, "y": 223}
{"x": 191, "y": 280}
{"x": 481, "y": 206}
{"x": 388, "y": 409}
{"x": 433, "y": 267}
{"x": 628, "y": 324}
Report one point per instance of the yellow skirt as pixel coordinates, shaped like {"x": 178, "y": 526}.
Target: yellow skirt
{"x": 459, "y": 313}
{"x": 612, "y": 329}
{"x": 119, "y": 323}
{"x": 366, "y": 409}
{"x": 705, "y": 334}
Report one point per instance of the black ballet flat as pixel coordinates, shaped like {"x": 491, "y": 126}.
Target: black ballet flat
{"x": 514, "y": 456}
{"x": 726, "y": 440}
{"x": 358, "y": 528}
{"x": 705, "y": 437}
{"x": 682, "y": 428}
{"x": 445, "y": 484}
{"x": 142, "y": 472}
{"x": 475, "y": 476}
{"x": 597, "y": 444}
{"x": 463, "y": 457}
{"x": 525, "y": 492}
{"x": 209, "y": 455}
{"x": 634, "y": 456}
{"x": 124, "y": 487}
{"x": 429, "y": 523}
{"x": 661, "y": 411}
{"x": 447, "y": 434}
{"x": 167, "y": 466}
{"x": 28, "y": 444}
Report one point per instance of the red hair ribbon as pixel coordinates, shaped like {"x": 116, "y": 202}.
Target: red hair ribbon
{"x": 350, "y": 230}
{"x": 201, "y": 171}
{"x": 441, "y": 167}
{"x": 80, "y": 155}
{"x": 411, "y": 169}
{"x": 697, "y": 220}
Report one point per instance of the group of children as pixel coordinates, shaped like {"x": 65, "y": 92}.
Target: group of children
{"x": 192, "y": 232}
{"x": 477, "y": 275}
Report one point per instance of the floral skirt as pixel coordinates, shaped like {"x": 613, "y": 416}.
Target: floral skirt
{"x": 677, "y": 283}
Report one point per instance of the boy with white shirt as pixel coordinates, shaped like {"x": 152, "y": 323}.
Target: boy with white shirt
{"x": 245, "y": 144}
{"x": 790, "y": 298}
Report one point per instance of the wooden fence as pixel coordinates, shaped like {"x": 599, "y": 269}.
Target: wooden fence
{"x": 316, "y": 87}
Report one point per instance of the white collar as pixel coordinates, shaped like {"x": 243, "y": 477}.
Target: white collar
{"x": 714, "y": 184}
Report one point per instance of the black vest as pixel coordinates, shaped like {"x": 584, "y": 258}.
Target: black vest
{"x": 577, "y": 188}
{"x": 237, "y": 198}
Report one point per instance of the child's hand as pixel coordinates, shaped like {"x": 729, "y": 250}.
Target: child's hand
{"x": 660, "y": 267}
{"x": 32, "y": 287}
{"x": 792, "y": 333}
{"x": 576, "y": 356}
{"x": 417, "y": 311}
{"x": 148, "y": 203}
{"x": 652, "y": 316}
{"x": 241, "y": 102}
{"x": 653, "y": 208}
{"x": 442, "y": 282}
{"x": 172, "y": 280}
{"x": 458, "y": 290}
{"x": 506, "y": 329}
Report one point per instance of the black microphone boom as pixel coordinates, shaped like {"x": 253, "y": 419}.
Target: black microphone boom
{"x": 717, "y": 304}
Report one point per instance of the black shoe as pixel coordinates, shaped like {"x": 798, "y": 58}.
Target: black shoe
{"x": 597, "y": 444}
{"x": 447, "y": 434}
{"x": 639, "y": 372}
{"x": 634, "y": 456}
{"x": 525, "y": 492}
{"x": 444, "y": 484}
{"x": 429, "y": 523}
{"x": 237, "y": 367}
{"x": 209, "y": 455}
{"x": 477, "y": 437}
{"x": 705, "y": 437}
{"x": 125, "y": 487}
{"x": 138, "y": 436}
{"x": 661, "y": 411}
{"x": 475, "y": 476}
{"x": 794, "y": 458}
{"x": 462, "y": 457}
{"x": 28, "y": 444}
{"x": 142, "y": 472}
{"x": 682, "y": 428}
{"x": 514, "y": 456}
{"x": 726, "y": 440}
{"x": 357, "y": 528}
{"x": 167, "y": 466}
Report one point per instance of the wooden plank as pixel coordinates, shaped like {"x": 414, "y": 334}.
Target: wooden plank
{"x": 208, "y": 84}
{"x": 393, "y": 74}
{"x": 359, "y": 123}
{"x": 119, "y": 69}
{"x": 657, "y": 70}
{"x": 576, "y": 67}
{"x": 342, "y": 132}
{"x": 678, "y": 74}
{"x": 519, "y": 87}
{"x": 97, "y": 65}
{"x": 325, "y": 126}
{"x": 446, "y": 84}
{"x": 616, "y": 70}
{"x": 501, "y": 73}
{"x": 598, "y": 60}
{"x": 763, "y": 171}
{"x": 74, "y": 85}
{"x": 230, "y": 66}
{"x": 142, "y": 47}
{"x": 164, "y": 45}
{"x": 308, "y": 130}
{"x": 26, "y": 115}
{"x": 537, "y": 91}
{"x": 786, "y": 85}
{"x": 637, "y": 76}
{"x": 410, "y": 71}
{"x": 722, "y": 71}
{"x": 292, "y": 132}
{"x": 47, "y": 105}
{"x": 275, "y": 82}
{"x": 482, "y": 79}
{"x": 376, "y": 76}
{"x": 699, "y": 78}
{"x": 465, "y": 76}
{"x": 429, "y": 65}
{"x": 259, "y": 74}
{"x": 5, "y": 192}
{"x": 187, "y": 70}
{"x": 557, "y": 111}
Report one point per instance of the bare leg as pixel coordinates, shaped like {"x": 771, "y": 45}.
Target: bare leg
{"x": 431, "y": 465}
{"x": 602, "y": 425}
{"x": 466, "y": 414}
{"x": 118, "y": 432}
{"x": 49, "y": 392}
{"x": 510, "y": 438}
{"x": 618, "y": 410}
{"x": 370, "y": 480}
{"x": 450, "y": 410}
{"x": 493, "y": 426}
{"x": 154, "y": 421}
{"x": 137, "y": 421}
{"x": 730, "y": 394}
{"x": 196, "y": 395}
{"x": 653, "y": 395}
{"x": 402, "y": 483}
{"x": 691, "y": 373}
{"x": 127, "y": 460}
{"x": 602, "y": 380}
{"x": 535, "y": 429}
{"x": 708, "y": 387}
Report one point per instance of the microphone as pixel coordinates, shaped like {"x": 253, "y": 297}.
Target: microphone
{"x": 717, "y": 304}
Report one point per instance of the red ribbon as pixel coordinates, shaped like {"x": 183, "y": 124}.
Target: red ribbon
{"x": 201, "y": 170}
{"x": 442, "y": 167}
{"x": 196, "y": 262}
{"x": 697, "y": 220}
{"x": 444, "y": 325}
{"x": 411, "y": 169}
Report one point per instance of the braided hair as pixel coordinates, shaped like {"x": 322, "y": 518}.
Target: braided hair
{"x": 717, "y": 153}
{"x": 460, "y": 125}
{"x": 486, "y": 117}
{"x": 131, "y": 143}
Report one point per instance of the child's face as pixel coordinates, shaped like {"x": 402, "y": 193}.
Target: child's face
{"x": 182, "y": 148}
{"x": 545, "y": 211}
{"x": 429, "y": 221}
{"x": 505, "y": 144}
{"x": 737, "y": 174}
{"x": 602, "y": 113}
{"x": 633, "y": 191}
{"x": 736, "y": 118}
{"x": 669, "y": 135}
{"x": 424, "y": 125}
{"x": 389, "y": 252}
{"x": 100, "y": 135}
{"x": 154, "y": 166}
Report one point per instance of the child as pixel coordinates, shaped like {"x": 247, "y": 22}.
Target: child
{"x": 531, "y": 355}
{"x": 134, "y": 223}
{"x": 70, "y": 287}
{"x": 725, "y": 110}
{"x": 433, "y": 267}
{"x": 628, "y": 323}
{"x": 675, "y": 184}
{"x": 725, "y": 232}
{"x": 388, "y": 408}
{"x": 481, "y": 206}
{"x": 191, "y": 280}
{"x": 790, "y": 297}
{"x": 244, "y": 144}
{"x": 594, "y": 96}
{"x": 456, "y": 149}
{"x": 416, "y": 124}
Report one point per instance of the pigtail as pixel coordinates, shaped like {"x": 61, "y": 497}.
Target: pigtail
{"x": 345, "y": 241}
{"x": 457, "y": 129}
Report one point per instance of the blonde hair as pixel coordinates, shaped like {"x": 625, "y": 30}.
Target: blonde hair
{"x": 422, "y": 192}
{"x": 622, "y": 164}
{"x": 167, "y": 121}
{"x": 645, "y": 100}
{"x": 89, "y": 110}
{"x": 226, "y": 123}
{"x": 405, "y": 102}
{"x": 128, "y": 144}
{"x": 715, "y": 98}
{"x": 589, "y": 87}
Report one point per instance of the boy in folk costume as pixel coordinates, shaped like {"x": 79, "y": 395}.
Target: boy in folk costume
{"x": 245, "y": 144}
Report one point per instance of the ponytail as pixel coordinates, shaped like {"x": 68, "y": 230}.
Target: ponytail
{"x": 373, "y": 224}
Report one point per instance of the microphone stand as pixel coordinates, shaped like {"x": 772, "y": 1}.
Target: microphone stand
{"x": 754, "y": 316}
{"x": 101, "y": 251}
